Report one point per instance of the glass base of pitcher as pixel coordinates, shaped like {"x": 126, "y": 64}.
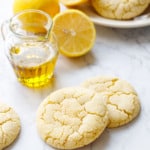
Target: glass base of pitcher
{"x": 36, "y": 82}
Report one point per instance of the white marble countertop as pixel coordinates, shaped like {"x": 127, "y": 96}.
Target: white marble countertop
{"x": 124, "y": 53}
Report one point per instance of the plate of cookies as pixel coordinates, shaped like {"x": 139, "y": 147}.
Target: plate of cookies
{"x": 117, "y": 14}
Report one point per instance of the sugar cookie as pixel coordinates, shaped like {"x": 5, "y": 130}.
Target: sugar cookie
{"x": 122, "y": 101}
{"x": 9, "y": 125}
{"x": 71, "y": 118}
{"x": 120, "y": 9}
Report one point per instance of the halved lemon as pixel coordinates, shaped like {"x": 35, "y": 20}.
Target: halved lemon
{"x": 75, "y": 32}
{"x": 73, "y": 2}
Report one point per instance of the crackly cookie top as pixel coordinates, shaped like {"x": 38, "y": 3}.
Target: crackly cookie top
{"x": 9, "y": 125}
{"x": 71, "y": 117}
{"x": 120, "y": 9}
{"x": 121, "y": 98}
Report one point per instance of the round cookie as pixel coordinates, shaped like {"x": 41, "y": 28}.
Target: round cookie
{"x": 121, "y": 99}
{"x": 120, "y": 9}
{"x": 9, "y": 125}
{"x": 72, "y": 117}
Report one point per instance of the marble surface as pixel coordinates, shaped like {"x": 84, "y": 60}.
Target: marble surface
{"x": 124, "y": 53}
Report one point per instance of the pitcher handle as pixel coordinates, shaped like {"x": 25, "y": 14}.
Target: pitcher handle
{"x": 4, "y": 26}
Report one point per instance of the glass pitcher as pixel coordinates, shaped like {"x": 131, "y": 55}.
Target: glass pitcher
{"x": 31, "y": 47}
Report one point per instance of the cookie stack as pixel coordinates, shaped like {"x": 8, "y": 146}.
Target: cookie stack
{"x": 73, "y": 117}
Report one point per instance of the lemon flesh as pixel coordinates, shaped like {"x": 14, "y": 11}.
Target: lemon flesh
{"x": 72, "y": 2}
{"x": 75, "y": 32}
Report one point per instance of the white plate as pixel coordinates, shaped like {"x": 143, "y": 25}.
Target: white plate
{"x": 134, "y": 23}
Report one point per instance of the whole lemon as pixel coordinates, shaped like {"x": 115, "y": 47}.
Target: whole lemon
{"x": 52, "y": 7}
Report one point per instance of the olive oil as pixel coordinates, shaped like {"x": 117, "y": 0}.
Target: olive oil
{"x": 33, "y": 63}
